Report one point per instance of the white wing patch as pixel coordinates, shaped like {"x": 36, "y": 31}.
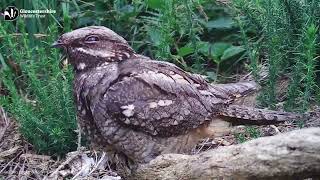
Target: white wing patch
{"x": 81, "y": 66}
{"x": 153, "y": 105}
{"x": 160, "y": 103}
{"x": 128, "y": 110}
{"x": 165, "y": 102}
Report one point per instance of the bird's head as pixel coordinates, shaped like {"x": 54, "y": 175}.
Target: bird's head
{"x": 92, "y": 46}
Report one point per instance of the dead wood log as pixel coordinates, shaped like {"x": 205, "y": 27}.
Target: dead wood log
{"x": 292, "y": 155}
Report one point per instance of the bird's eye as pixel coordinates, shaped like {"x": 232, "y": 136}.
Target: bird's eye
{"x": 91, "y": 39}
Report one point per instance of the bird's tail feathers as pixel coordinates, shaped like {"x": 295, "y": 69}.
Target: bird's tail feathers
{"x": 248, "y": 115}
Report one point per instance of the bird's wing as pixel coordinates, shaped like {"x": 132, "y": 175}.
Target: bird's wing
{"x": 228, "y": 92}
{"x": 234, "y": 90}
{"x": 156, "y": 98}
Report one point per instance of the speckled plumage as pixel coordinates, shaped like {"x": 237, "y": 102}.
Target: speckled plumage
{"x": 141, "y": 107}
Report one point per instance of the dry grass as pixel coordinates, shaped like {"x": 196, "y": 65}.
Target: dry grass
{"x": 19, "y": 161}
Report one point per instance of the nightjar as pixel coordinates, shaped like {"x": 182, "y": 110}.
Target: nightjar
{"x": 143, "y": 108}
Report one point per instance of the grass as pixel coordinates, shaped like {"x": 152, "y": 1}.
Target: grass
{"x": 288, "y": 43}
{"x": 39, "y": 91}
{"x": 249, "y": 133}
{"x": 200, "y": 36}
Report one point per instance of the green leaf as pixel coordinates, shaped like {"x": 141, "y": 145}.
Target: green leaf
{"x": 231, "y": 52}
{"x": 185, "y": 50}
{"x": 204, "y": 47}
{"x": 100, "y": 6}
{"x": 155, "y": 4}
{"x": 211, "y": 75}
{"x": 221, "y": 23}
{"x": 3, "y": 63}
{"x": 217, "y": 51}
{"x": 155, "y": 36}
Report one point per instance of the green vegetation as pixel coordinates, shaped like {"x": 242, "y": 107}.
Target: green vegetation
{"x": 39, "y": 92}
{"x": 198, "y": 35}
{"x": 288, "y": 42}
{"x": 249, "y": 133}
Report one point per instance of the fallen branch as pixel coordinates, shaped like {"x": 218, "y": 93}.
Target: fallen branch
{"x": 285, "y": 156}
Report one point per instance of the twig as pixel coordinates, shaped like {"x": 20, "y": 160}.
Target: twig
{"x": 35, "y": 156}
{"x": 98, "y": 163}
{"x": 77, "y": 153}
{"x": 83, "y": 168}
{"x": 14, "y": 169}
{"x": 79, "y": 135}
{"x": 203, "y": 144}
{"x": 275, "y": 128}
{"x": 7, "y": 124}
{"x": 22, "y": 169}
{"x": 10, "y": 162}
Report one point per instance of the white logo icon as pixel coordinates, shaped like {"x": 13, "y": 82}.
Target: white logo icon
{"x": 10, "y": 13}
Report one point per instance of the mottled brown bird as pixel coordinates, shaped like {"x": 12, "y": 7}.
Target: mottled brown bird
{"x": 144, "y": 108}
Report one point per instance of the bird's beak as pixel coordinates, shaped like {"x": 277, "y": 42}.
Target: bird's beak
{"x": 58, "y": 44}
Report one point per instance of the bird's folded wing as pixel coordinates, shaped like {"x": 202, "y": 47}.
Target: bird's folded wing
{"x": 160, "y": 101}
